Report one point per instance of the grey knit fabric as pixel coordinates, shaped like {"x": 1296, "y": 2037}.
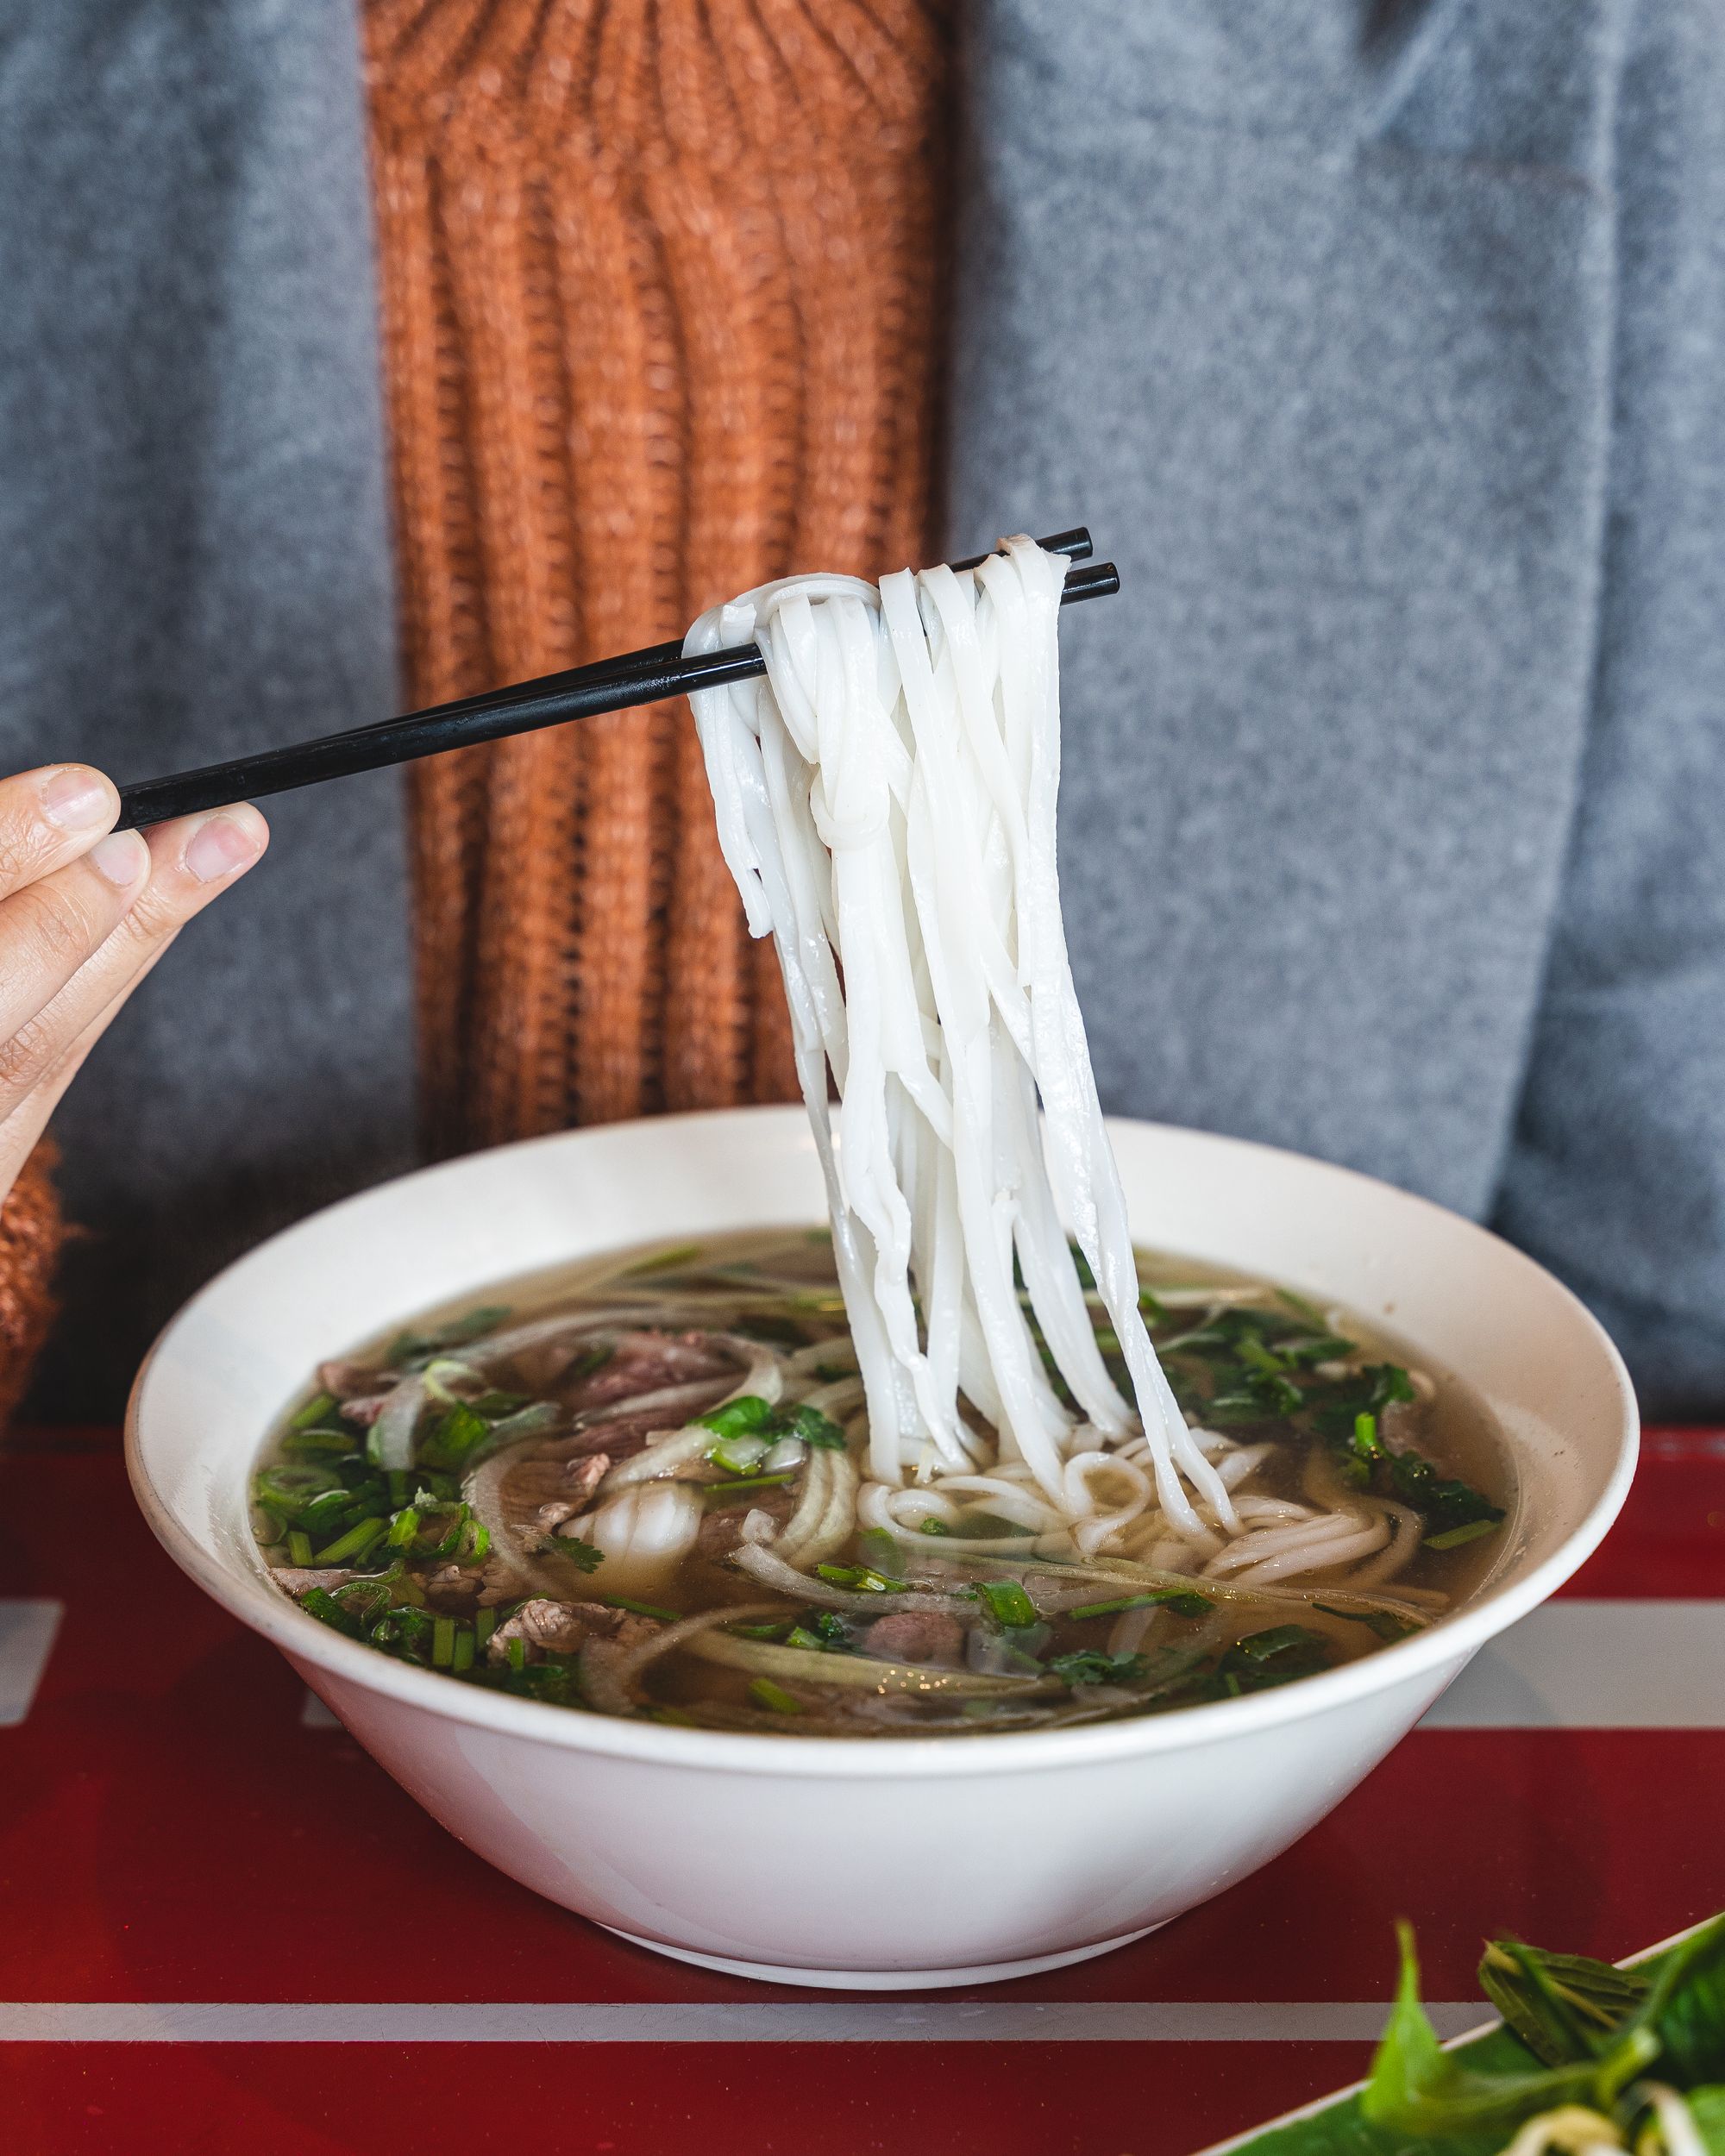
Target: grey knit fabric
{"x": 1384, "y": 347}
{"x": 193, "y": 561}
{"x": 1382, "y": 341}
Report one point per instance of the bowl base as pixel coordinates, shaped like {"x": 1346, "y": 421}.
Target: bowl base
{"x": 883, "y": 1979}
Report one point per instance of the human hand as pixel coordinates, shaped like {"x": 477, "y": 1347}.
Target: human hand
{"x": 85, "y": 912}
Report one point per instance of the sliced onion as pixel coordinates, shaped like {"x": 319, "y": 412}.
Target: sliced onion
{"x": 643, "y": 1534}
{"x": 826, "y": 1509}
{"x": 1046, "y": 1586}
{"x": 545, "y": 1572}
{"x": 771, "y": 1569}
{"x": 445, "y": 1371}
{"x": 608, "y": 1671}
{"x": 663, "y": 1456}
{"x": 503, "y": 1347}
{"x": 390, "y": 1440}
{"x": 530, "y": 1421}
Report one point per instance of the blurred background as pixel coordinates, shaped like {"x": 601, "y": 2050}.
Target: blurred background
{"x": 357, "y": 358}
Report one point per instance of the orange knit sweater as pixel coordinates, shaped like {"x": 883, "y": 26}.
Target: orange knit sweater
{"x": 658, "y": 283}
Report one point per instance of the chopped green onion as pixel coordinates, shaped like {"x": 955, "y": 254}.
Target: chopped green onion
{"x": 327, "y": 1506}
{"x": 1367, "y": 1445}
{"x": 463, "y": 1659}
{"x": 643, "y": 1609}
{"x": 878, "y": 1551}
{"x": 408, "y": 1347}
{"x": 1262, "y": 1646}
{"x": 932, "y": 1525}
{"x": 765, "y": 1693}
{"x": 329, "y": 1611}
{"x": 467, "y": 1540}
{"x": 1308, "y": 1310}
{"x": 812, "y": 1426}
{"x": 313, "y": 1412}
{"x": 1384, "y": 1622}
{"x": 457, "y": 1435}
{"x": 287, "y": 1488}
{"x": 662, "y": 1261}
{"x": 738, "y": 1454}
{"x": 299, "y": 1547}
{"x": 1091, "y": 1666}
{"x": 1178, "y": 1599}
{"x": 368, "y": 1598}
{"x": 799, "y": 1636}
{"x": 313, "y": 1445}
{"x": 354, "y": 1544}
{"x": 484, "y": 1624}
{"x": 403, "y": 1528}
{"x": 991, "y": 1527}
{"x": 861, "y": 1579}
{"x": 442, "y": 1642}
{"x": 1453, "y": 1538}
{"x": 517, "y": 1655}
{"x": 494, "y": 1405}
{"x": 736, "y": 1417}
{"x": 1007, "y": 1603}
{"x": 728, "y": 1490}
{"x": 760, "y": 1632}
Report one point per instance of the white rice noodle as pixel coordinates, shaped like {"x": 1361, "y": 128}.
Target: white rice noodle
{"x": 1407, "y": 1532}
{"x": 1103, "y": 1493}
{"x": 886, "y": 803}
{"x": 1283, "y": 1552}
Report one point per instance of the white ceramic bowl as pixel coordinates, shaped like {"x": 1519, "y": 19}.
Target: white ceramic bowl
{"x": 911, "y": 1862}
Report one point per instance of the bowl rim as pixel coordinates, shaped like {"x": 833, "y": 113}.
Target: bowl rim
{"x": 247, "y": 1593}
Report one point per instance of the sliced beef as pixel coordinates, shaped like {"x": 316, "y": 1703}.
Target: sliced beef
{"x": 300, "y": 1579}
{"x": 544, "y": 1489}
{"x": 453, "y": 1588}
{"x": 622, "y": 1435}
{"x": 721, "y": 1532}
{"x": 648, "y": 1363}
{"x": 916, "y": 1635}
{"x": 351, "y": 1380}
{"x": 365, "y": 1412}
{"x": 562, "y": 1629}
{"x": 581, "y": 1477}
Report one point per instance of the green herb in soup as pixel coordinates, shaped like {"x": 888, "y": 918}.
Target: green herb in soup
{"x": 645, "y": 1492}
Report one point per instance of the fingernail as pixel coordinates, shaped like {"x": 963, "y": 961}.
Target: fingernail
{"x": 218, "y": 848}
{"x": 123, "y": 857}
{"x": 76, "y": 801}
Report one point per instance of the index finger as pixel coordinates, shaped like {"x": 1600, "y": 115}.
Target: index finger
{"x": 49, "y": 816}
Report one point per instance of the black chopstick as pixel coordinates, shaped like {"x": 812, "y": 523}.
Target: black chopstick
{"x": 607, "y": 685}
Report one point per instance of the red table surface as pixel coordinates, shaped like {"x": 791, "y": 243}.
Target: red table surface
{"x": 170, "y": 1830}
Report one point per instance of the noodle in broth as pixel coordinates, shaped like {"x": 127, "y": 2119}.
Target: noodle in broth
{"x": 643, "y": 1490}
{"x": 946, "y": 1469}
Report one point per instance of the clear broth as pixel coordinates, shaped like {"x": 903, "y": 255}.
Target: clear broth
{"x": 485, "y": 1558}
